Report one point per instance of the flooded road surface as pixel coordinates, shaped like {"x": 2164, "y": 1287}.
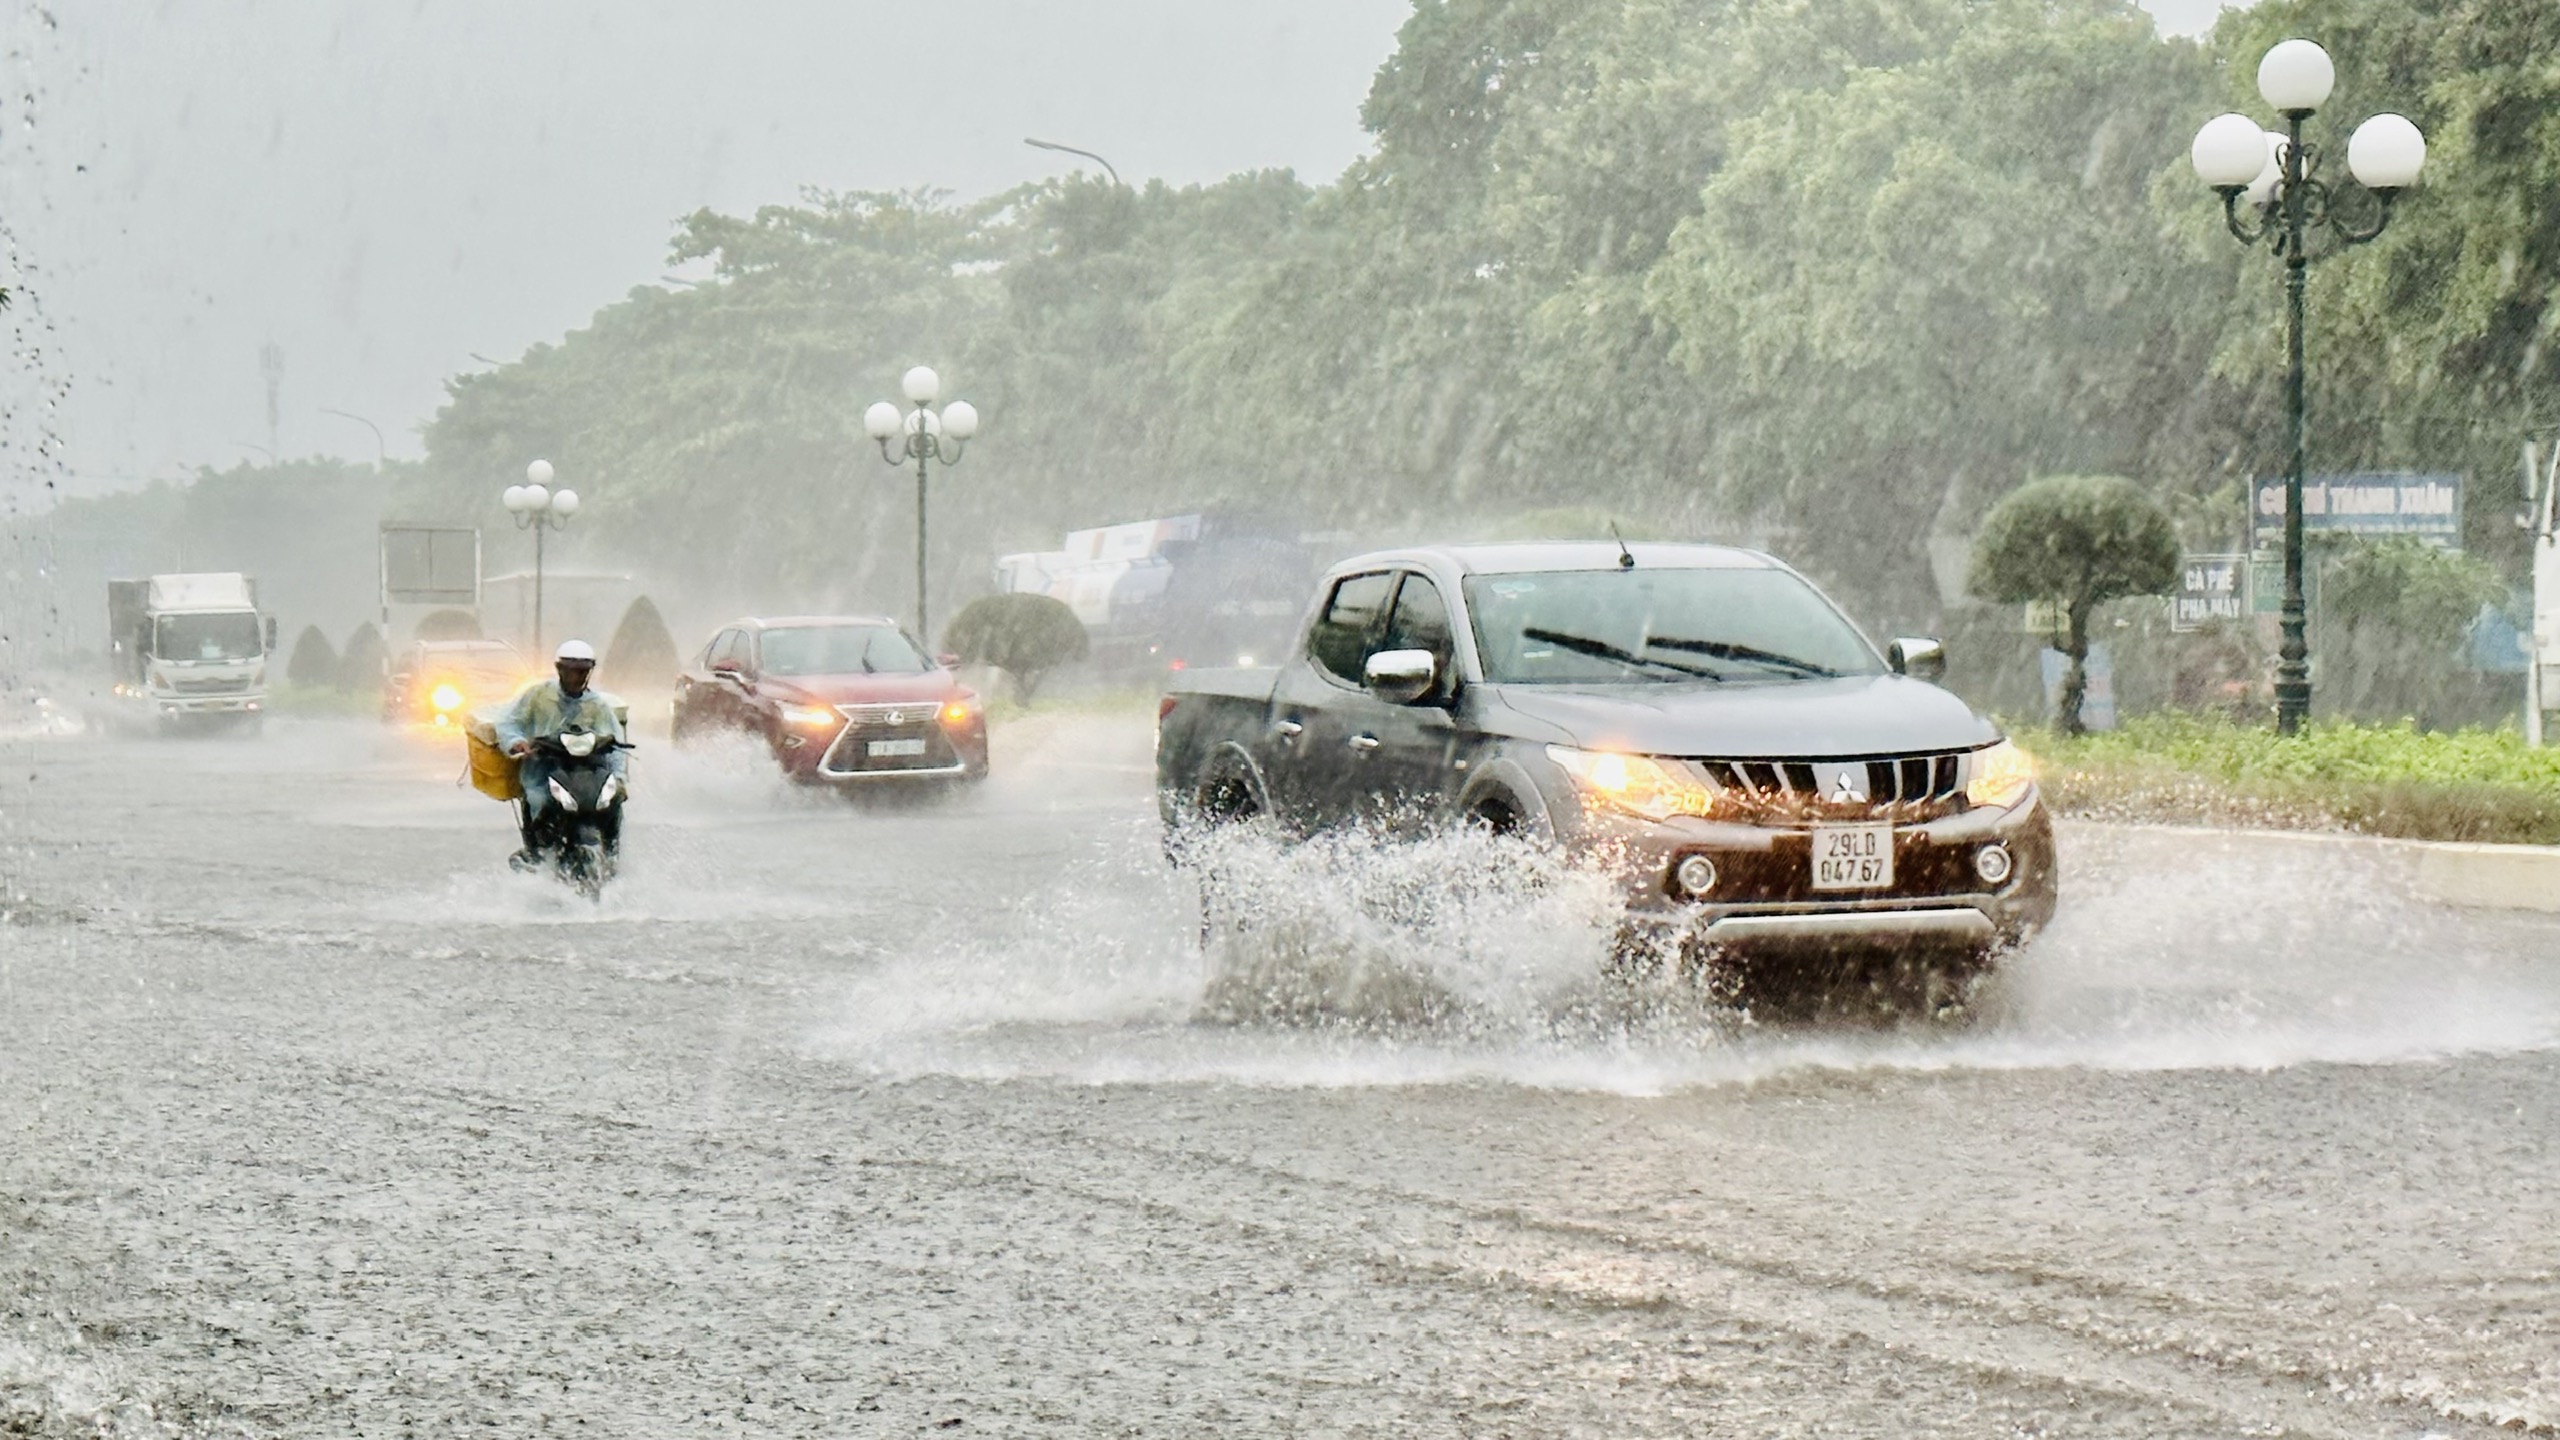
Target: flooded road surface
{"x": 314, "y": 1121}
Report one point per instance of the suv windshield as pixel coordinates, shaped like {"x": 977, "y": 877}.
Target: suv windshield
{"x": 208, "y": 637}
{"x": 841, "y": 650}
{"x": 1660, "y": 625}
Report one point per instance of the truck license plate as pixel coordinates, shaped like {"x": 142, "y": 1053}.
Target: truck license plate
{"x": 897, "y": 747}
{"x": 1853, "y": 857}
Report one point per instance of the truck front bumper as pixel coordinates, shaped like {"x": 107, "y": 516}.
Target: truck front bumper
{"x": 1762, "y": 895}
{"x": 175, "y": 706}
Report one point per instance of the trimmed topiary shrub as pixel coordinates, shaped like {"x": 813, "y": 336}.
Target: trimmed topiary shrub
{"x": 361, "y": 664}
{"x": 642, "y": 655}
{"x": 1024, "y": 635}
{"x": 313, "y": 662}
{"x": 2078, "y": 541}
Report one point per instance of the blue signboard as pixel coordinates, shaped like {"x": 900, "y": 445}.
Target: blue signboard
{"x": 2368, "y": 502}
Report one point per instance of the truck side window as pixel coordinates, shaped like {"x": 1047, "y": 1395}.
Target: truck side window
{"x": 1421, "y": 620}
{"x": 1347, "y": 630}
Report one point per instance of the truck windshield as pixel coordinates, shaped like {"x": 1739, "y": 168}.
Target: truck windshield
{"x": 841, "y": 650}
{"x": 207, "y": 637}
{"x": 1660, "y": 626}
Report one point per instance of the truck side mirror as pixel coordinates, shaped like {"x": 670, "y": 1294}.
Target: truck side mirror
{"x": 271, "y": 634}
{"x": 1400, "y": 677}
{"x": 1921, "y": 659}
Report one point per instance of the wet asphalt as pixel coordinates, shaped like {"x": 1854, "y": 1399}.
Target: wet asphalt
{"x": 843, "y": 1119}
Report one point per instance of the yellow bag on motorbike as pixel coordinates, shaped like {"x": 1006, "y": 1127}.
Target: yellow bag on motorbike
{"x": 493, "y": 771}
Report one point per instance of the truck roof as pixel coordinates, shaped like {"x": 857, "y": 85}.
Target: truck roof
{"x": 217, "y": 590}
{"x": 1543, "y": 555}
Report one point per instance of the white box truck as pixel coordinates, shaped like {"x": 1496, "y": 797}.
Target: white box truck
{"x": 192, "y": 647}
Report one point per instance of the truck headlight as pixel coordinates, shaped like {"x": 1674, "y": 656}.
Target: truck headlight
{"x": 1637, "y": 784}
{"x": 1999, "y": 776}
{"x": 445, "y": 697}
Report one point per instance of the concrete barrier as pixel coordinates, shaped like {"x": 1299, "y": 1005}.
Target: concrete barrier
{"x": 2495, "y": 877}
{"x": 2505, "y": 877}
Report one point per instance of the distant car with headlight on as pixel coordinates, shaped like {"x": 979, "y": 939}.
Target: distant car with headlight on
{"x": 840, "y": 700}
{"x": 440, "y": 682}
{"x": 1703, "y": 719}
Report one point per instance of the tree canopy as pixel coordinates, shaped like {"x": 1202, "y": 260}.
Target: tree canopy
{"x": 1833, "y": 278}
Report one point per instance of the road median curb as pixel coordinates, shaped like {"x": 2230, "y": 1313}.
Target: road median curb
{"x": 2449, "y": 872}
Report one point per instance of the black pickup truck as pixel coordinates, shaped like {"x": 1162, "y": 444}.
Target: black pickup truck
{"x": 1705, "y": 717}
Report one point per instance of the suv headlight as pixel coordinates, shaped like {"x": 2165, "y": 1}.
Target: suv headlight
{"x": 1637, "y": 784}
{"x": 809, "y": 717}
{"x": 1999, "y": 776}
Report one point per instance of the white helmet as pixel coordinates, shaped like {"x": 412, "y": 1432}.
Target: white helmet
{"x": 577, "y": 650}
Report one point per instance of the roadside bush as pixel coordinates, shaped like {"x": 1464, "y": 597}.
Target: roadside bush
{"x": 313, "y": 663}
{"x": 2483, "y": 785}
{"x": 2079, "y": 541}
{"x": 361, "y": 664}
{"x": 1026, "y": 636}
{"x": 642, "y": 655}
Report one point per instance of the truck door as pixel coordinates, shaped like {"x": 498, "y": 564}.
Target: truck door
{"x": 1307, "y": 756}
{"x": 1401, "y": 754}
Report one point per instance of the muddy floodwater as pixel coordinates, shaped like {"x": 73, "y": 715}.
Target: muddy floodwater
{"x": 838, "y": 1120}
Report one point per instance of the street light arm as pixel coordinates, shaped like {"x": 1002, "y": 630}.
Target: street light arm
{"x": 2354, "y": 234}
{"x": 1071, "y": 150}
{"x": 2241, "y": 230}
{"x": 380, "y": 452}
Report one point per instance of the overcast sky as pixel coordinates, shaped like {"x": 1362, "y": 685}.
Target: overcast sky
{"x": 385, "y": 189}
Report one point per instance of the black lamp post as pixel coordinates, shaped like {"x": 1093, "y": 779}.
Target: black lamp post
{"x": 2271, "y": 193}
{"x": 921, "y": 434}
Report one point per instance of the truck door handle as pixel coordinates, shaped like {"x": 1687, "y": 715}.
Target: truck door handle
{"x": 1288, "y": 730}
{"x": 1364, "y": 743}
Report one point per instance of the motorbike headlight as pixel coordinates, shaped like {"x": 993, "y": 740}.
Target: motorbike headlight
{"x": 579, "y": 743}
{"x": 1637, "y": 784}
{"x": 1999, "y": 776}
{"x": 561, "y": 793}
{"x": 809, "y": 717}
{"x": 445, "y": 697}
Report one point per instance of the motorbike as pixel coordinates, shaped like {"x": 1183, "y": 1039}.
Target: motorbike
{"x": 579, "y": 834}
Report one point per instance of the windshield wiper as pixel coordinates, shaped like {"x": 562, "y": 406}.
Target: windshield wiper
{"x": 1725, "y": 650}
{"x": 1585, "y": 645}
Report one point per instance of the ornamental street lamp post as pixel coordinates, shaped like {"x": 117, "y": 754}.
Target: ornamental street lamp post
{"x": 2271, "y": 193}
{"x": 538, "y": 507}
{"x": 921, "y": 434}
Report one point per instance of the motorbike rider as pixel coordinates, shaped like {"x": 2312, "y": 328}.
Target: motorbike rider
{"x": 544, "y": 711}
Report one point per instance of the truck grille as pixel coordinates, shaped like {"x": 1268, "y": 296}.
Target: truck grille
{"x": 1906, "y": 787}
{"x": 226, "y": 686}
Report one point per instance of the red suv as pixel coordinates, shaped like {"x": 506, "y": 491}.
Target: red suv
{"x": 840, "y": 699}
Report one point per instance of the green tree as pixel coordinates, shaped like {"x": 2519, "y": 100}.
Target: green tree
{"x": 2078, "y": 541}
{"x": 2394, "y": 617}
{"x": 313, "y": 662}
{"x": 1026, "y": 636}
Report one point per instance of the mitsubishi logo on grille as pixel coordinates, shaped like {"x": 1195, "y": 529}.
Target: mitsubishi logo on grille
{"x": 897, "y": 717}
{"x": 1849, "y": 785}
